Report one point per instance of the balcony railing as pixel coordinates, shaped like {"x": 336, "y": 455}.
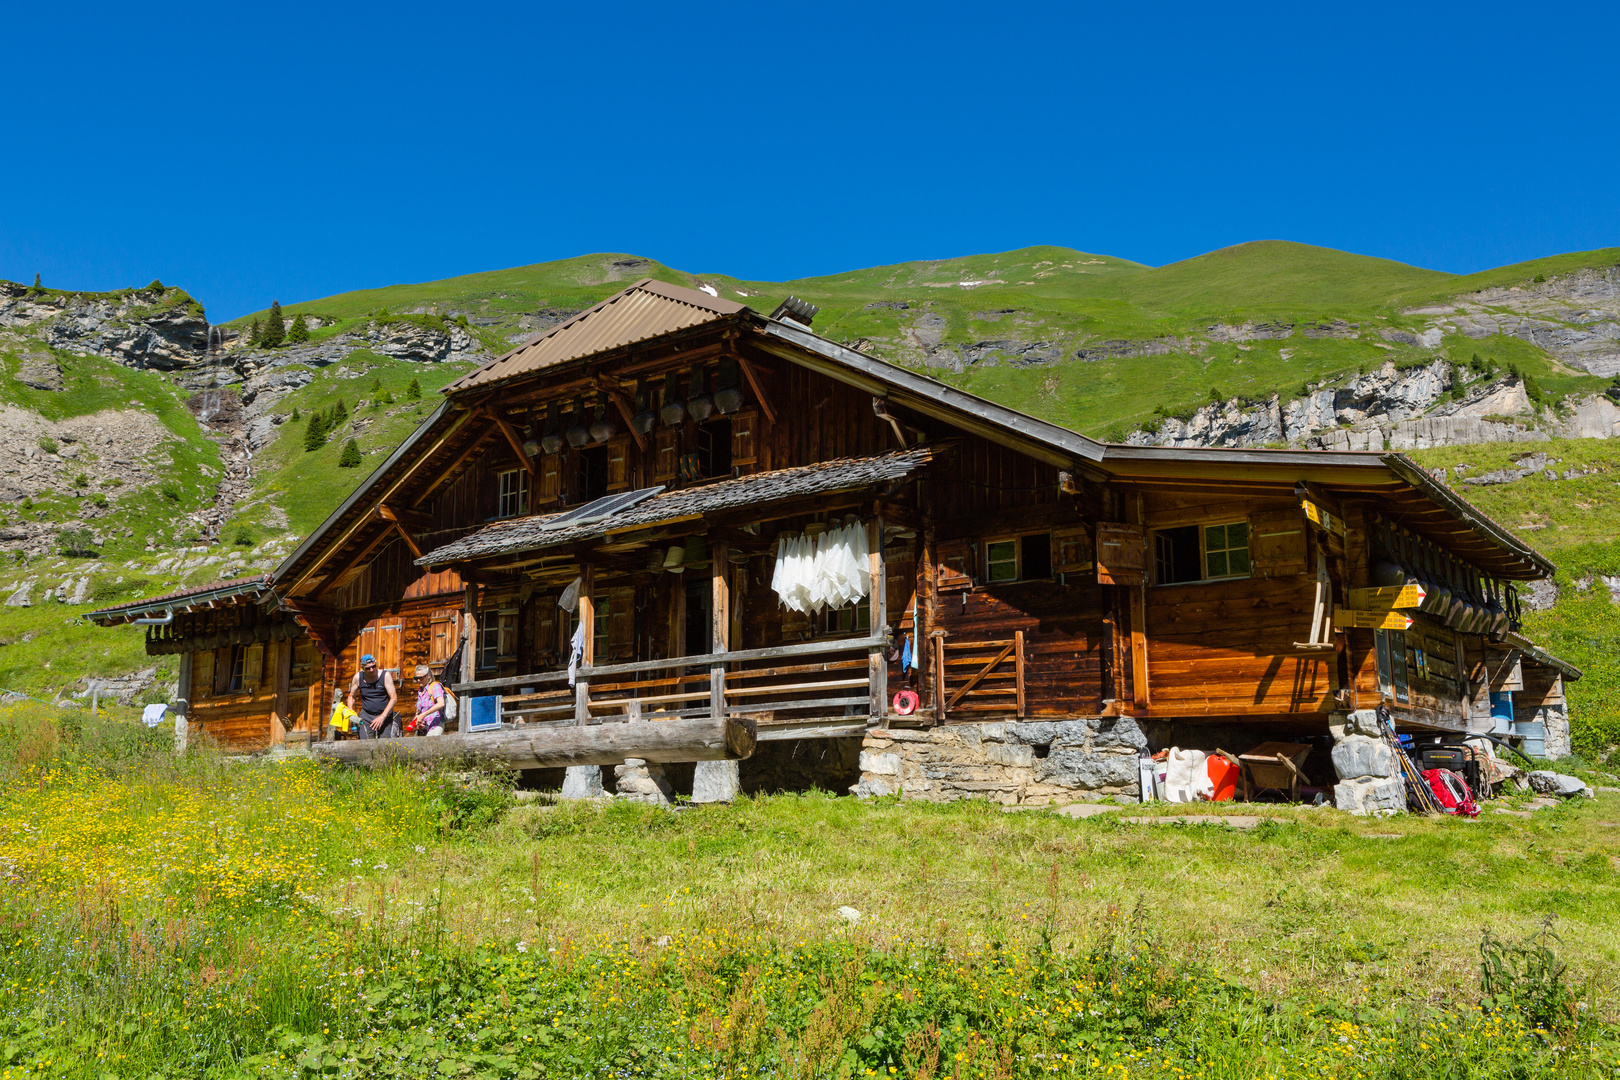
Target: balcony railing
{"x": 815, "y": 687}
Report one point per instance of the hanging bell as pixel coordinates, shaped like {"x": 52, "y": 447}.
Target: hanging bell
{"x": 531, "y": 445}
{"x": 673, "y": 411}
{"x": 603, "y": 427}
{"x": 578, "y": 434}
{"x": 728, "y": 396}
{"x": 644, "y": 419}
{"x": 551, "y": 435}
{"x": 698, "y": 401}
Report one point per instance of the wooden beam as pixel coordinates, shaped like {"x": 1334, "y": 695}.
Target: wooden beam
{"x": 1018, "y": 669}
{"x": 759, "y": 391}
{"x": 720, "y": 619}
{"x": 511, "y": 434}
{"x": 283, "y": 688}
{"x": 587, "y": 624}
{"x": 878, "y": 659}
{"x": 1141, "y": 695}
{"x": 469, "y": 633}
{"x": 354, "y": 561}
{"x": 455, "y": 463}
{"x": 410, "y": 541}
{"x": 404, "y": 517}
{"x": 547, "y": 746}
{"x": 625, "y": 411}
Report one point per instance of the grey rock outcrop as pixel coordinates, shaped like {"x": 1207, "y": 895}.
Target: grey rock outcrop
{"x": 137, "y": 330}
{"x": 1370, "y": 781}
{"x": 39, "y": 371}
{"x": 716, "y": 782}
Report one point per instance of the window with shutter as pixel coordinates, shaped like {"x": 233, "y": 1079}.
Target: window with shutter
{"x": 252, "y": 667}
{"x": 545, "y": 631}
{"x": 390, "y": 633}
{"x": 744, "y": 448}
{"x": 618, "y": 463}
{"x": 667, "y": 454}
{"x": 1277, "y": 543}
{"x": 1121, "y": 553}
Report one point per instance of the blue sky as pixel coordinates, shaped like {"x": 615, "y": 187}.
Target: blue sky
{"x": 290, "y": 151}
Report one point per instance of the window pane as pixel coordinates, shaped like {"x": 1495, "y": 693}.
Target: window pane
{"x": 1237, "y": 534}
{"x": 1238, "y": 561}
{"x": 1217, "y": 564}
{"x": 1002, "y": 560}
{"x": 1214, "y": 537}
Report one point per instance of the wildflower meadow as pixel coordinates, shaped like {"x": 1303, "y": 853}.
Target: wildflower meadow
{"x": 200, "y": 917}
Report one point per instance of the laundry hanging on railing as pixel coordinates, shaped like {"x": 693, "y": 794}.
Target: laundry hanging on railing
{"x": 826, "y": 571}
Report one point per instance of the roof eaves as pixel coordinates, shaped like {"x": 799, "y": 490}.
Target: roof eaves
{"x": 1542, "y": 656}
{"x": 180, "y": 599}
{"x": 920, "y": 392}
{"x": 1463, "y": 511}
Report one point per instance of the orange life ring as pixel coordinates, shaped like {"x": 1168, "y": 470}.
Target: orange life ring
{"x": 905, "y": 702}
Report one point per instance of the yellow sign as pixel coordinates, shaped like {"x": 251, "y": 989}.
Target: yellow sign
{"x": 1322, "y": 517}
{"x": 1370, "y": 620}
{"x": 1394, "y": 596}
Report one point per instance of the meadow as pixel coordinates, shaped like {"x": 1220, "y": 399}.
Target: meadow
{"x": 206, "y": 917}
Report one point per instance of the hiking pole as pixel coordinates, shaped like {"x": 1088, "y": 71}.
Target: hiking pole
{"x": 1409, "y": 771}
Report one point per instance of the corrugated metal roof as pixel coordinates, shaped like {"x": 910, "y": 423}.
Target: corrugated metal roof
{"x": 184, "y": 599}
{"x": 645, "y": 310}
{"x": 753, "y": 490}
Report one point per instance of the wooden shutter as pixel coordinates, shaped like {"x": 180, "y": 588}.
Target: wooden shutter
{"x": 1071, "y": 550}
{"x": 545, "y": 631}
{"x": 1121, "y": 553}
{"x": 621, "y": 638}
{"x": 618, "y": 463}
{"x": 253, "y": 668}
{"x": 550, "y": 478}
{"x": 202, "y": 674}
{"x": 222, "y": 670}
{"x": 442, "y": 635}
{"x": 955, "y": 566}
{"x": 1277, "y": 545}
{"x": 744, "y": 444}
{"x": 667, "y": 451}
{"x": 389, "y": 635}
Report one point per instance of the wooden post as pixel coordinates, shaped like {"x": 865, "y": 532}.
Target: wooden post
{"x": 720, "y": 618}
{"x": 877, "y": 663}
{"x": 182, "y": 702}
{"x": 1018, "y": 668}
{"x": 922, "y": 634}
{"x": 940, "y": 707}
{"x": 283, "y": 685}
{"x": 587, "y": 622}
{"x": 469, "y": 635}
{"x": 1139, "y": 641}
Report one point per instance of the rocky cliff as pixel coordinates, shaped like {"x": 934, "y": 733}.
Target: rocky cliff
{"x": 154, "y": 327}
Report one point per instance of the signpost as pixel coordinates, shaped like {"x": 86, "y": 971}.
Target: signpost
{"x": 1322, "y": 517}
{"x": 1393, "y": 596}
{"x": 1344, "y": 618}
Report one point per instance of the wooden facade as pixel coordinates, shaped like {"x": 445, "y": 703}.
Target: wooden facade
{"x": 1027, "y": 572}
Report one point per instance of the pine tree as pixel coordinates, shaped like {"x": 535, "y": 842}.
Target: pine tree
{"x": 253, "y": 333}
{"x": 315, "y": 433}
{"x": 350, "y": 458}
{"x": 300, "y": 330}
{"x": 339, "y": 414}
{"x": 275, "y": 331}
{"x": 413, "y": 392}
{"x": 387, "y": 398}
{"x": 296, "y": 416}
{"x": 376, "y": 385}
{"x": 37, "y": 286}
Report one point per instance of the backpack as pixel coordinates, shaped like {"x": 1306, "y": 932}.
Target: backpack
{"x": 449, "y": 703}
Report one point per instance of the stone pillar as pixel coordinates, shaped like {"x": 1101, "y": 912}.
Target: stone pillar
{"x": 716, "y": 782}
{"x": 640, "y": 781}
{"x": 182, "y": 703}
{"x": 582, "y": 782}
{"x": 1370, "y": 780}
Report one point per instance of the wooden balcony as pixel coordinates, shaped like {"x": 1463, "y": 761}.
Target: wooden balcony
{"x": 815, "y": 689}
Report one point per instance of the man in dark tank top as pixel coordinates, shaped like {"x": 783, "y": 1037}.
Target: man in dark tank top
{"x": 377, "y": 695}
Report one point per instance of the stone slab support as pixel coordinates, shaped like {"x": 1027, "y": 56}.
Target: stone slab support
{"x": 716, "y": 782}
{"x": 582, "y": 782}
{"x": 642, "y": 781}
{"x": 1370, "y": 780}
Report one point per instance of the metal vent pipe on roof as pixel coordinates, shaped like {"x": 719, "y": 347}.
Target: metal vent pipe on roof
{"x": 163, "y": 620}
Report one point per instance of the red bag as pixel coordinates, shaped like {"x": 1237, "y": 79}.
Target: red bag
{"x": 1451, "y": 791}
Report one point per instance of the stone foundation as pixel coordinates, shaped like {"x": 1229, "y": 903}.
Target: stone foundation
{"x": 1370, "y": 780}
{"x": 1014, "y": 762}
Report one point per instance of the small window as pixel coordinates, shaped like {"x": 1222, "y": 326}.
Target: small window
{"x": 1226, "y": 550}
{"x": 1019, "y": 558}
{"x": 590, "y": 475}
{"x": 514, "y": 500}
{"x": 497, "y": 637}
{"x": 1001, "y": 560}
{"x": 1201, "y": 553}
{"x": 601, "y": 647}
{"x": 853, "y": 618}
{"x": 1390, "y": 646}
{"x": 714, "y": 448}
{"x": 238, "y": 660}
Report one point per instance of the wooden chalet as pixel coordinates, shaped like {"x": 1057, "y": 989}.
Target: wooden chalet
{"x": 652, "y": 454}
